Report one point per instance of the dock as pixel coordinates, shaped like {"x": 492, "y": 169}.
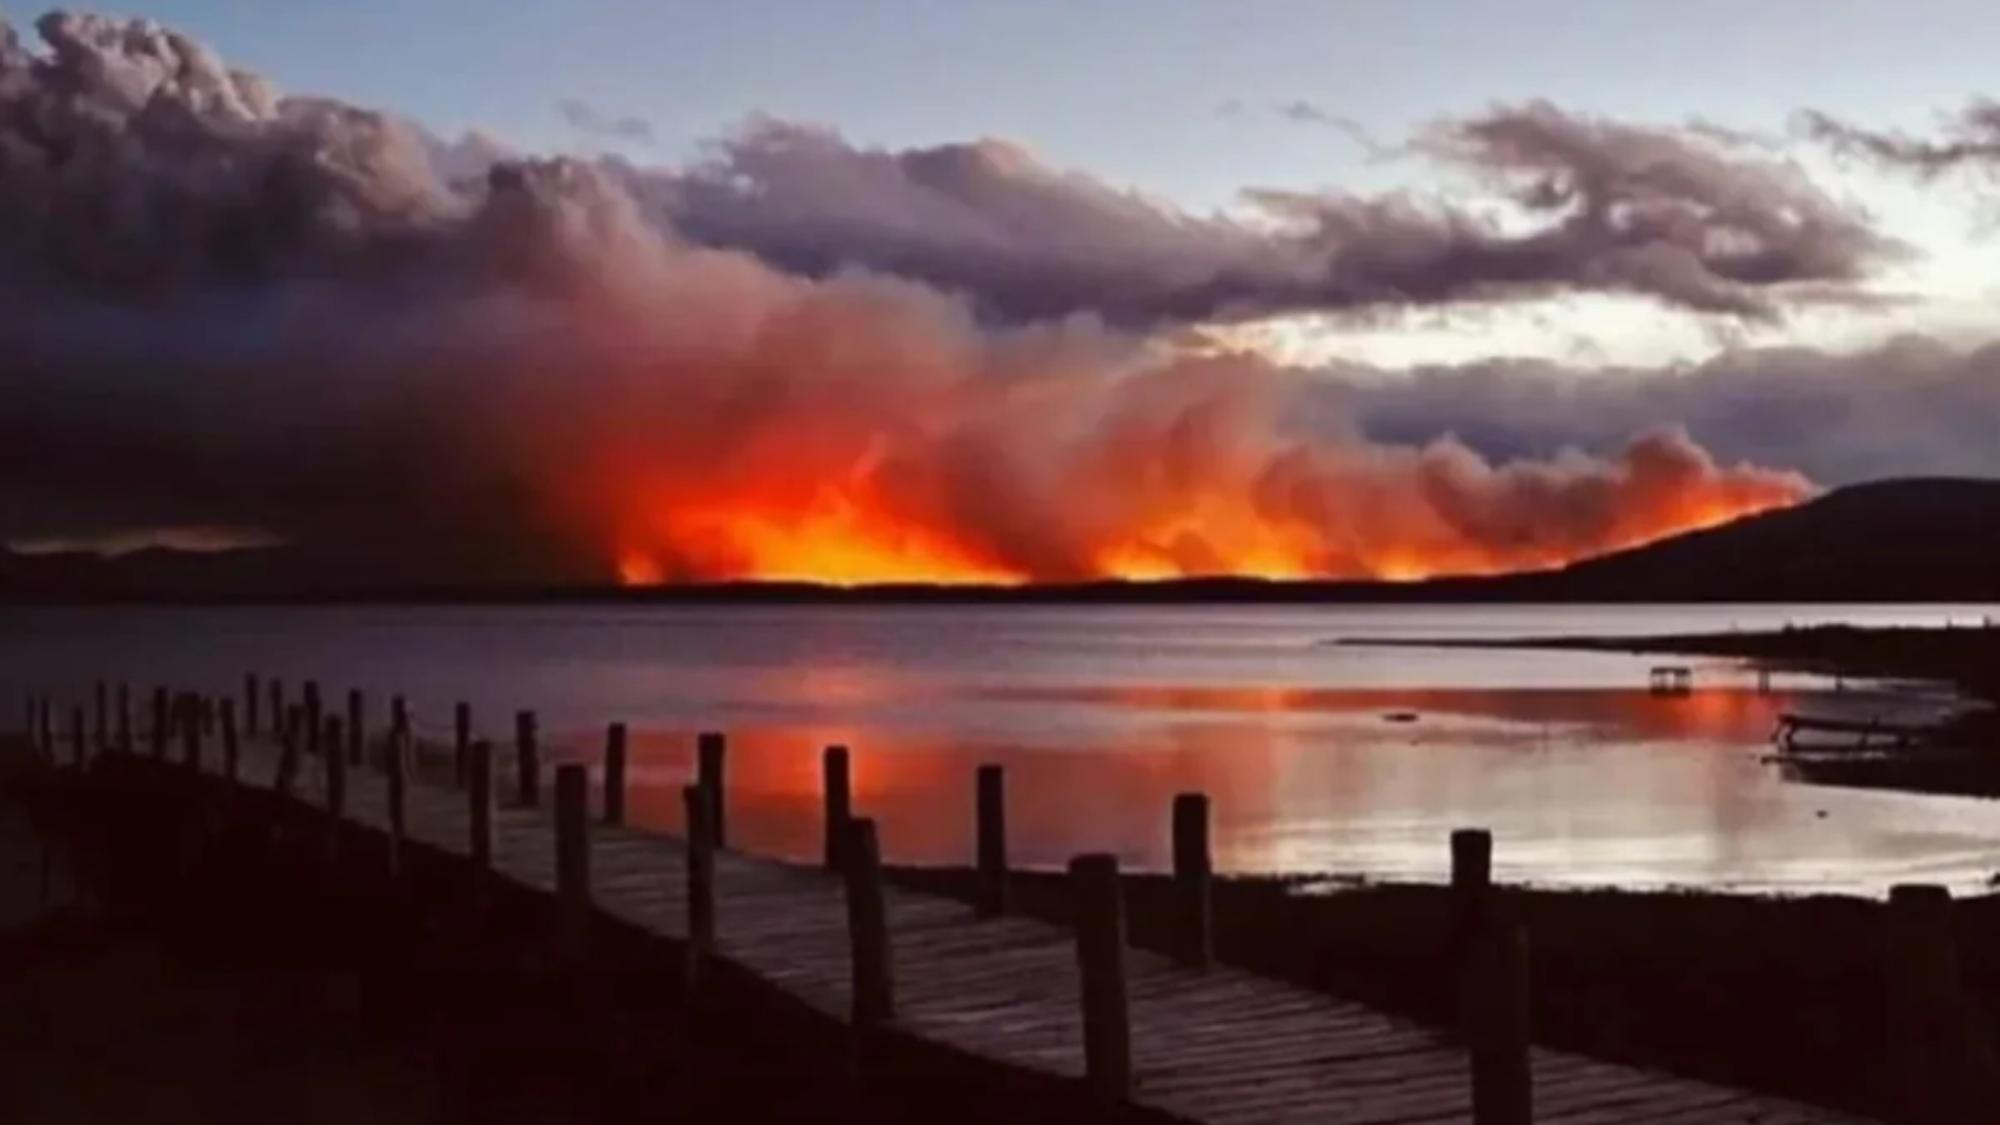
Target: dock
{"x": 1167, "y": 1037}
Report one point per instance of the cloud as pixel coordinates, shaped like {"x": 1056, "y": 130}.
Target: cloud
{"x": 236, "y": 309}
{"x": 1910, "y": 406}
{"x": 1591, "y": 206}
{"x": 592, "y": 121}
{"x": 1971, "y": 138}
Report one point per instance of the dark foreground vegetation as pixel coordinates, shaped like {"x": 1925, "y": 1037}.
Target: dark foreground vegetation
{"x": 222, "y": 970}
{"x": 1786, "y": 996}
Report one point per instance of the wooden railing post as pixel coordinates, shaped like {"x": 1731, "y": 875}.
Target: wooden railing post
{"x": 1100, "y": 955}
{"x": 336, "y": 783}
{"x": 867, "y": 927}
{"x": 230, "y": 749}
{"x": 191, "y": 731}
{"x": 479, "y": 801}
{"x": 700, "y": 883}
{"x": 357, "y": 730}
{"x": 527, "y": 761}
{"x": 614, "y": 774}
{"x": 161, "y": 722}
{"x": 397, "y": 767}
{"x": 1497, "y": 1025}
{"x": 79, "y": 745}
{"x": 1943, "y": 1063}
{"x": 289, "y": 749}
{"x": 101, "y": 716}
{"x": 573, "y": 855}
{"x": 711, "y": 751}
{"x": 1193, "y": 879}
{"x": 836, "y": 804}
{"x": 461, "y": 741}
{"x": 990, "y": 816}
{"x": 125, "y": 720}
{"x": 1471, "y": 877}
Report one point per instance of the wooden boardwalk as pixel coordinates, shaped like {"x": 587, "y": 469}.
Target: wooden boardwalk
{"x": 1216, "y": 1045}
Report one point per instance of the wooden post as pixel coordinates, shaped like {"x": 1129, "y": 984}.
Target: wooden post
{"x": 336, "y": 782}
{"x": 125, "y": 720}
{"x": 289, "y": 750}
{"x": 79, "y": 746}
{"x": 837, "y": 802}
{"x": 479, "y": 798}
{"x": 229, "y": 745}
{"x": 101, "y": 716}
{"x": 990, "y": 813}
{"x": 614, "y": 774}
{"x": 1100, "y": 954}
{"x": 160, "y": 722}
{"x": 1193, "y": 879}
{"x": 867, "y": 928}
{"x": 1943, "y": 1065}
{"x": 712, "y": 750}
{"x": 357, "y": 730}
{"x": 252, "y": 700}
{"x": 191, "y": 731}
{"x": 399, "y": 725}
{"x": 527, "y": 760}
{"x": 1471, "y": 871}
{"x": 461, "y": 742}
{"x": 277, "y": 703}
{"x": 700, "y": 882}
{"x": 397, "y": 768}
{"x": 312, "y": 719}
{"x": 573, "y": 854}
{"x": 1496, "y": 1025}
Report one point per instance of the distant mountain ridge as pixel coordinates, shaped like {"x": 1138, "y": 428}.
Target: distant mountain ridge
{"x": 1905, "y": 540}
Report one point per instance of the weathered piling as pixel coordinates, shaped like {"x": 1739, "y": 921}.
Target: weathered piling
{"x": 290, "y": 747}
{"x": 125, "y": 720}
{"x": 101, "y": 716}
{"x": 1942, "y": 1064}
{"x": 79, "y": 746}
{"x": 336, "y": 782}
{"x": 614, "y": 774}
{"x": 479, "y": 804}
{"x": 160, "y": 723}
{"x": 1471, "y": 877}
{"x": 527, "y": 761}
{"x": 191, "y": 732}
{"x": 399, "y": 725}
{"x": 1193, "y": 878}
{"x": 990, "y": 828}
{"x": 252, "y": 701}
{"x": 397, "y": 767}
{"x": 231, "y": 751}
{"x": 836, "y": 804}
{"x": 357, "y": 730}
{"x": 867, "y": 927}
{"x": 700, "y": 883}
{"x": 461, "y": 741}
{"x": 1496, "y": 1025}
{"x": 573, "y": 855}
{"x": 711, "y": 752}
{"x": 1100, "y": 954}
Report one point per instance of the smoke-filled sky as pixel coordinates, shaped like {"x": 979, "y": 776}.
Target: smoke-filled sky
{"x": 983, "y": 292}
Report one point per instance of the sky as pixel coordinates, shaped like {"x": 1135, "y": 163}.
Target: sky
{"x": 982, "y": 291}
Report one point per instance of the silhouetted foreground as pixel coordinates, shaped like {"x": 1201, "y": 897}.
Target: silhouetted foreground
{"x": 222, "y": 971}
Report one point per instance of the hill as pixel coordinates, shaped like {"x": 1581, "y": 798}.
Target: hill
{"x": 1914, "y": 540}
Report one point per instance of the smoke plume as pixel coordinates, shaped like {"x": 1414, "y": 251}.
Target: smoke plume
{"x": 233, "y": 308}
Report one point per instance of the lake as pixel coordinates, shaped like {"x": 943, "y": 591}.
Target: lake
{"x": 1100, "y": 715}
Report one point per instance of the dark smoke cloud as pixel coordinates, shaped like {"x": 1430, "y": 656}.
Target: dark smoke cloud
{"x": 1912, "y": 406}
{"x": 224, "y": 307}
{"x": 1972, "y": 138}
{"x": 589, "y": 119}
{"x": 1672, "y": 214}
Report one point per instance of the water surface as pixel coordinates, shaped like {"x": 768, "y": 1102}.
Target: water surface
{"x": 1101, "y": 715}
